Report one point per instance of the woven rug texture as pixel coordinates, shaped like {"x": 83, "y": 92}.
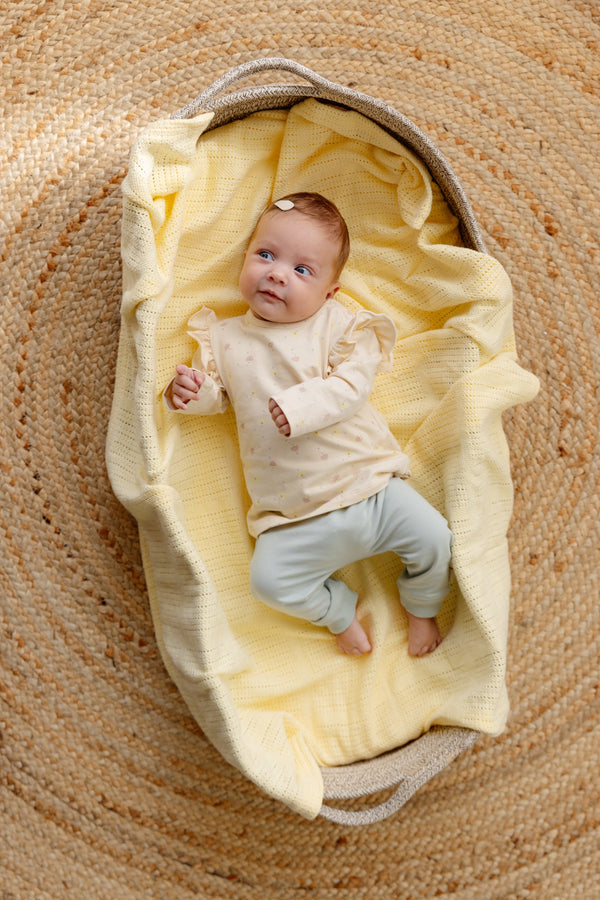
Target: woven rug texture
{"x": 108, "y": 788}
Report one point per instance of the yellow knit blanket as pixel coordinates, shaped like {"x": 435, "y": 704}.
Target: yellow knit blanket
{"x": 273, "y": 694}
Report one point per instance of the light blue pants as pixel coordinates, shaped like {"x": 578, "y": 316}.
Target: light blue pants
{"x": 292, "y": 564}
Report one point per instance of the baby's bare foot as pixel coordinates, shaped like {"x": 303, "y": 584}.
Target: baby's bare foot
{"x": 423, "y": 636}
{"x": 354, "y": 640}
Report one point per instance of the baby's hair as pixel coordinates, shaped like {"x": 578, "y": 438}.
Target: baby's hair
{"x": 322, "y": 209}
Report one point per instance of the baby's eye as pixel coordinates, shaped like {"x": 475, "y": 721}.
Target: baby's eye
{"x": 303, "y": 270}
{"x": 265, "y": 254}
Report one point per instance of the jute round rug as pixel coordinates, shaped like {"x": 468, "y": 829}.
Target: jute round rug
{"x": 108, "y": 787}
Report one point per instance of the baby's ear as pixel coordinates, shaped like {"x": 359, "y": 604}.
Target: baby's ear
{"x": 333, "y": 290}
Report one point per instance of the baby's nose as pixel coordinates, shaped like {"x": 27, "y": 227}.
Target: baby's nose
{"x": 277, "y": 273}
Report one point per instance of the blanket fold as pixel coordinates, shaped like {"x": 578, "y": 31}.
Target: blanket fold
{"x": 271, "y": 693}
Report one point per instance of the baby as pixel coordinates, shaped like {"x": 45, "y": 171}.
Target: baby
{"x": 324, "y": 473}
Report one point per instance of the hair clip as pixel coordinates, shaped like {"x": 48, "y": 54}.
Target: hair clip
{"x": 284, "y": 204}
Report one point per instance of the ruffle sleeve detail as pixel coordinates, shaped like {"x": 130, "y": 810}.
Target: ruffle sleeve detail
{"x": 362, "y": 328}
{"x": 212, "y": 397}
{"x": 199, "y": 326}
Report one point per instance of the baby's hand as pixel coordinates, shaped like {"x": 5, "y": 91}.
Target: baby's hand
{"x": 185, "y": 386}
{"x": 279, "y": 418}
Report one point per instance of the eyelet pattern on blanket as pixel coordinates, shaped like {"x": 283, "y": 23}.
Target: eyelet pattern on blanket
{"x": 273, "y": 694}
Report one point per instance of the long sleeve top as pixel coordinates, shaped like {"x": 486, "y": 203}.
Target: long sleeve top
{"x": 320, "y": 371}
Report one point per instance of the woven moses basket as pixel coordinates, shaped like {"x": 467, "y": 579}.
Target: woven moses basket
{"x": 140, "y": 460}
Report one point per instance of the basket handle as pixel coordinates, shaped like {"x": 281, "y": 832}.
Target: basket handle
{"x": 323, "y": 88}
{"x": 369, "y": 816}
{"x": 269, "y": 63}
{"x": 407, "y": 768}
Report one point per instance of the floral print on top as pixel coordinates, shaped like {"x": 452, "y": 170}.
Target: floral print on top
{"x": 320, "y": 371}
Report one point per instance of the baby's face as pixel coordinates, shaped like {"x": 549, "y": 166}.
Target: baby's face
{"x": 289, "y": 267}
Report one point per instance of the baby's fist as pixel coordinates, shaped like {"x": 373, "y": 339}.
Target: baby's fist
{"x": 186, "y": 385}
{"x": 280, "y": 418}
